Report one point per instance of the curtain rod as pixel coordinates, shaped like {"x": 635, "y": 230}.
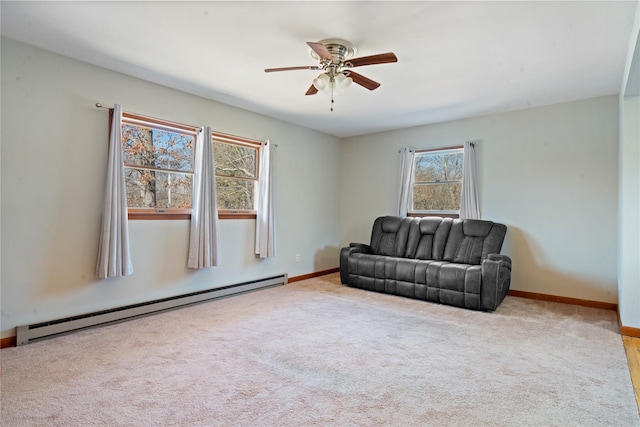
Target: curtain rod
{"x": 424, "y": 150}
{"x": 99, "y": 105}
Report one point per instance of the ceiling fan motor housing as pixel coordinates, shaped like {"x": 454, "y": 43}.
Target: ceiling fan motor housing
{"x": 341, "y": 50}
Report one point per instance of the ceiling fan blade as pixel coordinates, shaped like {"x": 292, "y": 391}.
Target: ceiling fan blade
{"x": 307, "y": 67}
{"x": 363, "y": 81}
{"x": 321, "y": 50}
{"x": 382, "y": 58}
{"x": 312, "y": 90}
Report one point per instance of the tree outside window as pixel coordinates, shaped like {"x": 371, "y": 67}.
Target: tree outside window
{"x": 236, "y": 174}
{"x": 158, "y": 167}
{"x": 158, "y": 158}
{"x": 438, "y": 181}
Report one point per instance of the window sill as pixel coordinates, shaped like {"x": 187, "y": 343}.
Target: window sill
{"x": 441, "y": 215}
{"x": 228, "y": 214}
{"x": 186, "y": 215}
{"x": 151, "y": 214}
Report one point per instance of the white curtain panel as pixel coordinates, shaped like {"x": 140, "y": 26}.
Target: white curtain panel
{"x": 114, "y": 258}
{"x": 265, "y": 218}
{"x": 405, "y": 180}
{"x": 203, "y": 239}
{"x": 469, "y": 208}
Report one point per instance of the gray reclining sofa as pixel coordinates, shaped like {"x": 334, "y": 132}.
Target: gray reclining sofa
{"x": 443, "y": 260}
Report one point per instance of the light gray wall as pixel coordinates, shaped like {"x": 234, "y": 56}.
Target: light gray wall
{"x": 549, "y": 174}
{"x": 54, "y": 151}
{"x": 629, "y": 181}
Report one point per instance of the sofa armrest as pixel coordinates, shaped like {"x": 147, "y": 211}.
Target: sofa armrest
{"x": 496, "y": 279}
{"x": 362, "y": 246}
{"x": 504, "y": 258}
{"x": 344, "y": 258}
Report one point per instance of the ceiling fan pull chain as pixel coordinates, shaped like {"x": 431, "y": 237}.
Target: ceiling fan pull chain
{"x": 332, "y": 83}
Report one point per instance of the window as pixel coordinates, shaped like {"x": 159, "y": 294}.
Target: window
{"x": 158, "y": 164}
{"x": 236, "y": 173}
{"x": 158, "y": 159}
{"x": 437, "y": 181}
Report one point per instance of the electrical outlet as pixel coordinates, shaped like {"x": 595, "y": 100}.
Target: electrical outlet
{"x": 297, "y": 257}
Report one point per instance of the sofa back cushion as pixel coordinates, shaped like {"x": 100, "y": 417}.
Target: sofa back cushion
{"x": 389, "y": 235}
{"x": 472, "y": 240}
{"x": 428, "y": 237}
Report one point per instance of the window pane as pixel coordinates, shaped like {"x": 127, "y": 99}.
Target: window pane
{"x": 235, "y": 160}
{"x": 235, "y": 194}
{"x": 440, "y": 197}
{"x": 156, "y": 148}
{"x": 438, "y": 167}
{"x": 157, "y": 190}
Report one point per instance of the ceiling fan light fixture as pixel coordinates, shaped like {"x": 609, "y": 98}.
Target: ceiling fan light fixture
{"x": 342, "y": 82}
{"x": 321, "y": 82}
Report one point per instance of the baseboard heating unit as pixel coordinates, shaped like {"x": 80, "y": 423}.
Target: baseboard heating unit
{"x": 54, "y": 328}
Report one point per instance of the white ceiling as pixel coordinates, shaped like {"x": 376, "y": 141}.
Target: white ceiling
{"x": 455, "y": 59}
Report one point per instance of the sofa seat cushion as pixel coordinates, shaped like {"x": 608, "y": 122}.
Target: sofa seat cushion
{"x": 366, "y": 271}
{"x": 460, "y": 277}
{"x": 368, "y": 265}
{"x": 437, "y": 281}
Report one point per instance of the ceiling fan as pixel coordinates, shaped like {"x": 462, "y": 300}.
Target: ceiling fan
{"x": 336, "y": 60}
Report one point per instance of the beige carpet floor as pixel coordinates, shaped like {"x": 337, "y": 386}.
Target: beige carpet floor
{"x": 316, "y": 353}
